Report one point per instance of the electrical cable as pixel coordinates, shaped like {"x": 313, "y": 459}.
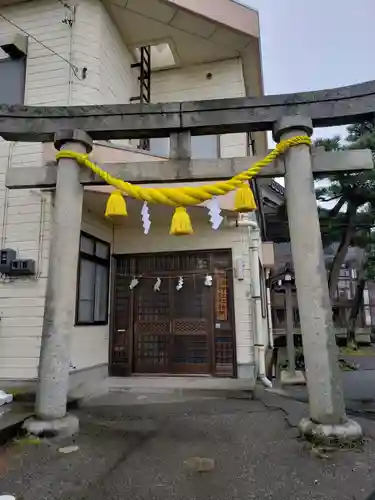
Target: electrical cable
{"x": 74, "y": 68}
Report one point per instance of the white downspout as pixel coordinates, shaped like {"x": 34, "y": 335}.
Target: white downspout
{"x": 260, "y": 337}
{"x": 269, "y": 314}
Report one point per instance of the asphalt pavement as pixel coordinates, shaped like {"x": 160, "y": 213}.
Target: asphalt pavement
{"x": 358, "y": 386}
{"x": 199, "y": 449}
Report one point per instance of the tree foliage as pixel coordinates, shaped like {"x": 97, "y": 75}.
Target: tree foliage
{"x": 351, "y": 220}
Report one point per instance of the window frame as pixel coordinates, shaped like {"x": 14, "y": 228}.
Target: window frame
{"x": 21, "y": 61}
{"x": 96, "y": 260}
{"x": 193, "y": 157}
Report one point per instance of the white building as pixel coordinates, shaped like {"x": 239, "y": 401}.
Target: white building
{"x": 83, "y": 52}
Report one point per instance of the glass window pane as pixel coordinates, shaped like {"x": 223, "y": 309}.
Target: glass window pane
{"x": 85, "y": 311}
{"x": 160, "y": 146}
{"x": 101, "y": 293}
{"x": 12, "y": 80}
{"x": 101, "y": 250}
{"x": 86, "y": 280}
{"x": 87, "y": 245}
{"x": 204, "y": 146}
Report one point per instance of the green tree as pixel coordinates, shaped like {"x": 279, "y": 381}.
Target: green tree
{"x": 353, "y": 195}
{"x": 352, "y": 217}
{"x": 366, "y": 273}
{"x": 329, "y": 144}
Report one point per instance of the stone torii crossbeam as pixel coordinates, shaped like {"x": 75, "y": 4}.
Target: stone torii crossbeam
{"x": 288, "y": 116}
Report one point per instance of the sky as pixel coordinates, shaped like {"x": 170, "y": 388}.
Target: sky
{"x": 316, "y": 45}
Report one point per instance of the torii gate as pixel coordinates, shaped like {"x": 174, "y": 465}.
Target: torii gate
{"x": 289, "y": 115}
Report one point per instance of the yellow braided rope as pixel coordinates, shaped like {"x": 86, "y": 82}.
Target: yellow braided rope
{"x": 187, "y": 195}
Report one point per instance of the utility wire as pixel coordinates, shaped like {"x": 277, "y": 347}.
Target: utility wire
{"x": 74, "y": 68}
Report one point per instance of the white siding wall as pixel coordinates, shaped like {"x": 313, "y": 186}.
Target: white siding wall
{"x": 132, "y": 241}
{"x": 98, "y": 46}
{"x": 26, "y": 228}
{"x": 89, "y": 345}
{"x": 192, "y": 84}
{"x": 25, "y": 216}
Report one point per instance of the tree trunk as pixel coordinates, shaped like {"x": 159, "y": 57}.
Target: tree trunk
{"x": 342, "y": 250}
{"x": 336, "y": 209}
{"x": 357, "y": 301}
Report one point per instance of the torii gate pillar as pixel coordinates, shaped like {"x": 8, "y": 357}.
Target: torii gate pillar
{"x": 327, "y": 420}
{"x": 54, "y": 363}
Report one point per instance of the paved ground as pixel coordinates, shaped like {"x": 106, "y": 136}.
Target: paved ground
{"x": 358, "y": 385}
{"x": 145, "y": 451}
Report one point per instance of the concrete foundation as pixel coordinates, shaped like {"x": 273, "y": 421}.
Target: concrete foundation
{"x": 83, "y": 383}
{"x": 246, "y": 371}
{"x": 296, "y": 378}
{"x": 61, "y": 427}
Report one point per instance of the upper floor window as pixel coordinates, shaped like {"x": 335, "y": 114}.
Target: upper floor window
{"x": 203, "y": 147}
{"x": 13, "y": 69}
{"x": 93, "y": 281}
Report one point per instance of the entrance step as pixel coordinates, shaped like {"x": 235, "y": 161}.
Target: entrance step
{"x": 154, "y": 390}
{"x": 182, "y": 386}
{"x": 179, "y": 383}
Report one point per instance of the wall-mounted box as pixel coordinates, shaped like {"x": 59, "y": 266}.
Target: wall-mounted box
{"x": 7, "y": 256}
{"x": 22, "y": 267}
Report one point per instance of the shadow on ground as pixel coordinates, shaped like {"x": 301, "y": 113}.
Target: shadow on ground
{"x": 140, "y": 453}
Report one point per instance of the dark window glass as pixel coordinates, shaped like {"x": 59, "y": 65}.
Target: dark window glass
{"x": 93, "y": 282}
{"x": 12, "y": 80}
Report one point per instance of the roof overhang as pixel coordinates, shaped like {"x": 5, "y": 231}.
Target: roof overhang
{"x": 228, "y": 13}
{"x": 197, "y": 32}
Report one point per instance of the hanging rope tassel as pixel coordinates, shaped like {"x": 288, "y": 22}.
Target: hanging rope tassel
{"x": 244, "y": 200}
{"x": 116, "y": 205}
{"x": 181, "y": 223}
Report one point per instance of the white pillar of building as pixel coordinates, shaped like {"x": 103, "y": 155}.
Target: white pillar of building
{"x": 327, "y": 410}
{"x": 54, "y": 364}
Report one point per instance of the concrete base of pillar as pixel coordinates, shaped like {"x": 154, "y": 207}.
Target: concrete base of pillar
{"x": 246, "y": 371}
{"x": 331, "y": 435}
{"x": 62, "y": 427}
{"x": 298, "y": 378}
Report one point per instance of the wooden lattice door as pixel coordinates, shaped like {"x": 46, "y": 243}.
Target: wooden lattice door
{"x": 151, "y": 327}
{"x": 186, "y": 331}
{"x": 224, "y": 338}
{"x": 120, "y": 355}
{"x": 191, "y": 318}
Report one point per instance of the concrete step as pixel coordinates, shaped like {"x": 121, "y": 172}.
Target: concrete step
{"x": 116, "y": 391}
{"x": 180, "y": 387}
{"x": 167, "y": 384}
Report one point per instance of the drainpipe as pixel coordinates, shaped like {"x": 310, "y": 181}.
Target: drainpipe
{"x": 260, "y": 336}
{"x": 269, "y": 313}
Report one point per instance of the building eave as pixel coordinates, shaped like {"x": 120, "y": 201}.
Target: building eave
{"x": 225, "y": 12}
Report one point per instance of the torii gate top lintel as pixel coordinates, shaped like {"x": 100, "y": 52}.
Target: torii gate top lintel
{"x": 339, "y": 106}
